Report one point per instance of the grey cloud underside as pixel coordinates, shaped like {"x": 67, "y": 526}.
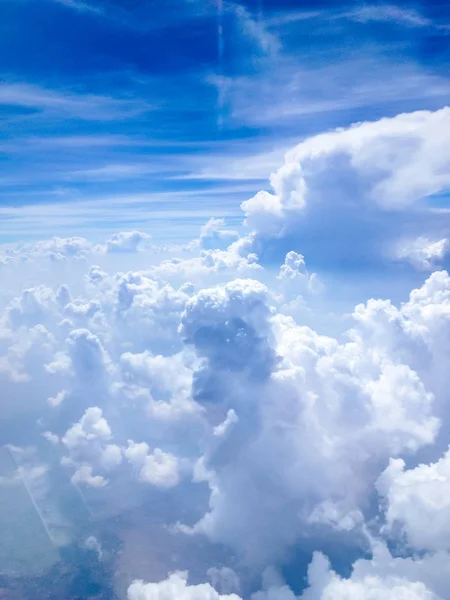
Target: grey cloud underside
{"x": 218, "y": 395}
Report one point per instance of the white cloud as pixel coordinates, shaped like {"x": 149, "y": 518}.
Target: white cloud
{"x": 175, "y": 588}
{"x": 352, "y": 186}
{"x": 92, "y": 543}
{"x": 127, "y": 241}
{"x": 82, "y": 106}
{"x": 295, "y": 277}
{"x": 365, "y": 584}
{"x": 83, "y": 475}
{"x": 51, "y": 437}
{"x": 337, "y": 410}
{"x": 214, "y": 235}
{"x": 423, "y": 253}
{"x": 161, "y": 469}
{"x": 371, "y": 579}
{"x": 92, "y": 426}
{"x": 88, "y": 444}
{"x": 158, "y": 468}
{"x": 222, "y": 429}
{"x": 80, "y": 6}
{"x": 224, "y": 580}
{"x": 418, "y": 502}
{"x": 168, "y": 376}
{"x": 389, "y": 13}
{"x": 88, "y": 356}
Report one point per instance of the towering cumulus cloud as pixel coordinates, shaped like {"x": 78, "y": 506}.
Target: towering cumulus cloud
{"x": 368, "y": 183}
{"x": 267, "y": 409}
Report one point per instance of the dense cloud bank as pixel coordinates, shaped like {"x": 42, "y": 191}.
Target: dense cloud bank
{"x": 222, "y": 385}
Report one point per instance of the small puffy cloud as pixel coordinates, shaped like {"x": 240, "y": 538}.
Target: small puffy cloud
{"x": 88, "y": 356}
{"x": 25, "y": 351}
{"x": 418, "y": 502}
{"x": 228, "y": 325}
{"x": 294, "y": 266}
{"x": 88, "y": 444}
{"x": 175, "y": 588}
{"x": 92, "y": 426}
{"x": 32, "y": 307}
{"x": 79, "y": 308}
{"x": 164, "y": 382}
{"x": 224, "y": 580}
{"x": 96, "y": 274}
{"x": 92, "y": 543}
{"x": 423, "y": 253}
{"x": 264, "y": 213}
{"x": 147, "y": 311}
{"x": 127, "y": 241}
{"x": 60, "y": 250}
{"x": 158, "y": 468}
{"x": 222, "y": 429}
{"x": 214, "y": 235}
{"x": 56, "y": 250}
{"x": 166, "y": 376}
{"x": 110, "y": 457}
{"x": 325, "y": 584}
{"x": 371, "y": 579}
{"x": 161, "y": 469}
{"x": 74, "y": 247}
{"x": 336, "y": 515}
{"x": 136, "y": 453}
{"x": 84, "y": 475}
{"x": 51, "y": 437}
{"x": 295, "y": 278}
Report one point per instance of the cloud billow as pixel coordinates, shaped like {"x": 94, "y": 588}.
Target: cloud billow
{"x": 222, "y": 386}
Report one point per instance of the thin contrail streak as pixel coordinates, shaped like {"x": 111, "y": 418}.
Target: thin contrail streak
{"x": 33, "y": 501}
{"x": 220, "y": 55}
{"x": 83, "y": 499}
{"x": 220, "y": 32}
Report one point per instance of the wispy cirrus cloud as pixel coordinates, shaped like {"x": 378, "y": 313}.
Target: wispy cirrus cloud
{"x": 388, "y": 13}
{"x": 80, "y": 6}
{"x": 69, "y": 103}
{"x": 294, "y": 91}
{"x": 118, "y": 171}
{"x": 365, "y": 13}
{"x": 169, "y": 215}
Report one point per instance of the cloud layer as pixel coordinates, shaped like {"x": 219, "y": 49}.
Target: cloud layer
{"x": 219, "y": 384}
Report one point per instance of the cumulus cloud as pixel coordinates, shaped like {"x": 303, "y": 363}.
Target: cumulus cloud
{"x": 351, "y": 188}
{"x": 92, "y": 543}
{"x": 56, "y": 250}
{"x": 157, "y": 468}
{"x": 382, "y": 577}
{"x": 88, "y": 357}
{"x": 175, "y": 588}
{"x": 338, "y": 410}
{"x": 88, "y": 444}
{"x": 368, "y": 582}
{"x": 224, "y": 580}
{"x": 218, "y": 388}
{"x": 418, "y": 502}
{"x": 295, "y": 278}
{"x": 127, "y": 241}
{"x": 228, "y": 325}
{"x": 423, "y": 253}
{"x": 214, "y": 235}
{"x": 83, "y": 475}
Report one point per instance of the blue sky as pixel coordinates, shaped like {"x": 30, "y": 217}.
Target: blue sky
{"x": 159, "y": 115}
{"x": 224, "y": 315}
